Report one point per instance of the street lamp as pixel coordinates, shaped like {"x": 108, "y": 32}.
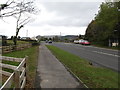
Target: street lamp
{"x": 109, "y": 41}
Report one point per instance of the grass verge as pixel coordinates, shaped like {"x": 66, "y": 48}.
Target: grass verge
{"x": 10, "y": 42}
{"x": 107, "y": 47}
{"x": 32, "y": 53}
{"x": 93, "y": 77}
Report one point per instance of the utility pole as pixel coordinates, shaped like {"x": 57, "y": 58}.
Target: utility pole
{"x": 26, "y": 33}
{"x": 60, "y": 36}
{"x": 109, "y": 42}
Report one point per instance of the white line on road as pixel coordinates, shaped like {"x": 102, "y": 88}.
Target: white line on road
{"x": 103, "y": 48}
{"x": 106, "y": 54}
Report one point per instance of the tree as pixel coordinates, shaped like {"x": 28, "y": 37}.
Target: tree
{"x": 11, "y": 8}
{"x": 80, "y": 36}
{"x": 19, "y": 10}
{"x": 56, "y": 38}
{"x": 18, "y": 37}
{"x": 102, "y": 28}
{"x": 11, "y": 38}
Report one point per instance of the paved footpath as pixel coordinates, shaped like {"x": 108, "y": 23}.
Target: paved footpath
{"x": 51, "y": 73}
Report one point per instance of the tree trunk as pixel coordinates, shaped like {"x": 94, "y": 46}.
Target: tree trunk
{"x": 15, "y": 37}
{"x": 15, "y": 40}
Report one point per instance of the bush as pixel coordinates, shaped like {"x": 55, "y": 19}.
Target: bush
{"x": 34, "y": 43}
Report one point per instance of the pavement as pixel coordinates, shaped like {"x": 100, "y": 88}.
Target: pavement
{"x": 51, "y": 73}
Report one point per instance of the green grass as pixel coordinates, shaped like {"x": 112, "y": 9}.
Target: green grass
{"x": 102, "y": 46}
{"x": 10, "y": 42}
{"x": 32, "y": 53}
{"x": 8, "y": 70}
{"x": 93, "y": 77}
{"x": 114, "y": 48}
{"x": 11, "y": 62}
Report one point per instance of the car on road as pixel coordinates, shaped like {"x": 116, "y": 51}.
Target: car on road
{"x": 82, "y": 41}
{"x": 76, "y": 41}
{"x": 85, "y": 42}
{"x": 46, "y": 41}
{"x": 50, "y": 41}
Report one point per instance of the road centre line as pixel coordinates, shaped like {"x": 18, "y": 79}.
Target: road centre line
{"x": 106, "y": 54}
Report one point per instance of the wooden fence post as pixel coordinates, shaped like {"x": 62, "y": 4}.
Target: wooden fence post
{"x": 20, "y": 47}
{"x": 26, "y": 67}
{"x": 9, "y": 49}
{"x": 17, "y": 79}
{"x": 2, "y": 49}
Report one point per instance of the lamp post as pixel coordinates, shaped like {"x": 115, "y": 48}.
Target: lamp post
{"x": 109, "y": 43}
{"x": 116, "y": 37}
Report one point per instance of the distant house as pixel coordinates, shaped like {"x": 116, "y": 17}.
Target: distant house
{"x": 38, "y": 37}
{"x": 50, "y": 36}
{"x": 69, "y": 37}
{"x": 33, "y": 38}
{"x": 25, "y": 38}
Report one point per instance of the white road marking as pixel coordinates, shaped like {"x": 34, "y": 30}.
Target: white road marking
{"x": 106, "y": 54}
{"x": 103, "y": 48}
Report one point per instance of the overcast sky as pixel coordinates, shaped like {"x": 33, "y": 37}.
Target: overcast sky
{"x": 66, "y": 17}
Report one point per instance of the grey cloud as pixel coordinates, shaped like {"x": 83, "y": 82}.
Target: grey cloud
{"x": 74, "y": 13}
{"x": 69, "y": 22}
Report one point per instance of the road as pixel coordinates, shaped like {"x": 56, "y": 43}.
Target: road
{"x": 98, "y": 56}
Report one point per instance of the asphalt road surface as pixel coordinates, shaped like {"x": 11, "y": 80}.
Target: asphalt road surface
{"x": 98, "y": 56}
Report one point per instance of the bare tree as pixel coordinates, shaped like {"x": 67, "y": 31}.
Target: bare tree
{"x": 20, "y": 24}
{"x": 20, "y": 10}
{"x": 11, "y": 8}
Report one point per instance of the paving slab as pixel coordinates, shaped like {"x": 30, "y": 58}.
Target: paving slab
{"x": 51, "y": 73}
